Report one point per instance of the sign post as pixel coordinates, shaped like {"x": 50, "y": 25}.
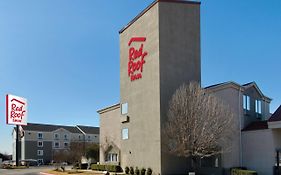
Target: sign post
{"x": 16, "y": 114}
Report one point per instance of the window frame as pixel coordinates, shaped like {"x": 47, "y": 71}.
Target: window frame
{"x": 67, "y": 144}
{"x": 246, "y": 102}
{"x": 55, "y": 144}
{"x": 40, "y": 145}
{"x": 258, "y": 106}
{"x": 39, "y": 152}
{"x": 110, "y": 157}
{"x": 38, "y": 135}
{"x": 124, "y": 108}
{"x": 56, "y": 134}
{"x": 125, "y": 134}
{"x": 65, "y": 136}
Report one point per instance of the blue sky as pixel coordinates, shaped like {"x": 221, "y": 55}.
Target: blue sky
{"x": 63, "y": 56}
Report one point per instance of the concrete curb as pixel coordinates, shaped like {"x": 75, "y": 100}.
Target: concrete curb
{"x": 45, "y": 173}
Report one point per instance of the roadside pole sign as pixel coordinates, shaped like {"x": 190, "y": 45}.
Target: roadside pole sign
{"x": 16, "y": 110}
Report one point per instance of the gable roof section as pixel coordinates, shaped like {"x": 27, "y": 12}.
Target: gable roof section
{"x": 48, "y": 128}
{"x": 254, "y": 84}
{"x": 223, "y": 85}
{"x": 89, "y": 129}
{"x": 258, "y": 125}
{"x": 276, "y": 116}
{"x": 237, "y": 86}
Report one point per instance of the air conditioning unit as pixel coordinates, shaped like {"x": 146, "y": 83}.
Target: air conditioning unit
{"x": 124, "y": 119}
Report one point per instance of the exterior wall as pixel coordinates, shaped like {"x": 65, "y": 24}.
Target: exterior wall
{"x": 32, "y": 148}
{"x": 259, "y": 151}
{"x": 233, "y": 98}
{"x": 61, "y": 138}
{"x": 143, "y": 147}
{"x": 29, "y": 144}
{"x": 92, "y": 138}
{"x": 251, "y": 115}
{"x": 179, "y": 49}
{"x": 110, "y": 132}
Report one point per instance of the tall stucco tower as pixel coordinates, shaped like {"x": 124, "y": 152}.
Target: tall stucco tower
{"x": 159, "y": 51}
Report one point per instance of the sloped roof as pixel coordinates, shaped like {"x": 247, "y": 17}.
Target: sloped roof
{"x": 254, "y": 84}
{"x": 222, "y": 84}
{"x": 257, "y": 125}
{"x": 89, "y": 129}
{"x": 238, "y": 86}
{"x": 276, "y": 116}
{"x": 49, "y": 127}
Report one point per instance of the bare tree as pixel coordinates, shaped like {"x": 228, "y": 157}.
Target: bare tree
{"x": 76, "y": 151}
{"x": 198, "y": 125}
{"x": 59, "y": 157}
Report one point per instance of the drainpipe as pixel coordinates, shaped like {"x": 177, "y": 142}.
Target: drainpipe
{"x": 240, "y": 123}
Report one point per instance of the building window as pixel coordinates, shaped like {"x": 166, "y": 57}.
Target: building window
{"x": 258, "y": 106}
{"x": 111, "y": 157}
{"x": 89, "y": 138}
{"x": 124, "y": 108}
{"x": 65, "y": 136}
{"x": 40, "y": 153}
{"x": 40, "y": 135}
{"x": 80, "y": 137}
{"x": 246, "y": 102}
{"x": 40, "y": 144}
{"x": 125, "y": 133}
{"x": 56, "y": 136}
{"x": 66, "y": 144}
{"x": 56, "y": 144}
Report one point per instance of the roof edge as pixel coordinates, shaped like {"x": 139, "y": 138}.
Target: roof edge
{"x": 150, "y": 6}
{"x": 109, "y": 108}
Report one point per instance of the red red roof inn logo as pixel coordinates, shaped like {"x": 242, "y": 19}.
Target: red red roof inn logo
{"x": 16, "y": 110}
{"x": 136, "y": 58}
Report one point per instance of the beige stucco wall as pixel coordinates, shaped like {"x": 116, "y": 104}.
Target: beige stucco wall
{"x": 179, "y": 25}
{"x": 142, "y": 149}
{"x": 259, "y": 151}
{"x": 232, "y": 97}
{"x": 110, "y": 130}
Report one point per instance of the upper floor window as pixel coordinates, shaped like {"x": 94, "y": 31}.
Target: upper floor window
{"x": 125, "y": 133}
{"x": 246, "y": 102}
{"x": 65, "y": 136}
{"x": 89, "y": 138}
{"x": 40, "y": 135}
{"x": 80, "y": 137}
{"x": 124, "y": 108}
{"x": 56, "y": 136}
{"x": 258, "y": 106}
{"x": 40, "y": 144}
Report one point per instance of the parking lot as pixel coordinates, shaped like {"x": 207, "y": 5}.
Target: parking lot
{"x": 28, "y": 171}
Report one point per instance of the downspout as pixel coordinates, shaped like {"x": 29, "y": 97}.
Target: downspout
{"x": 240, "y": 123}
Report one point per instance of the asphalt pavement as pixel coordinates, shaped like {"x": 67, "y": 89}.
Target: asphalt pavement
{"x": 27, "y": 171}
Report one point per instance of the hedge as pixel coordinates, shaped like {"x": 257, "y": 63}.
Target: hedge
{"x": 110, "y": 168}
{"x": 243, "y": 172}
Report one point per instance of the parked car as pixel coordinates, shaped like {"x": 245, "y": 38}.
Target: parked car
{"x": 29, "y": 162}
